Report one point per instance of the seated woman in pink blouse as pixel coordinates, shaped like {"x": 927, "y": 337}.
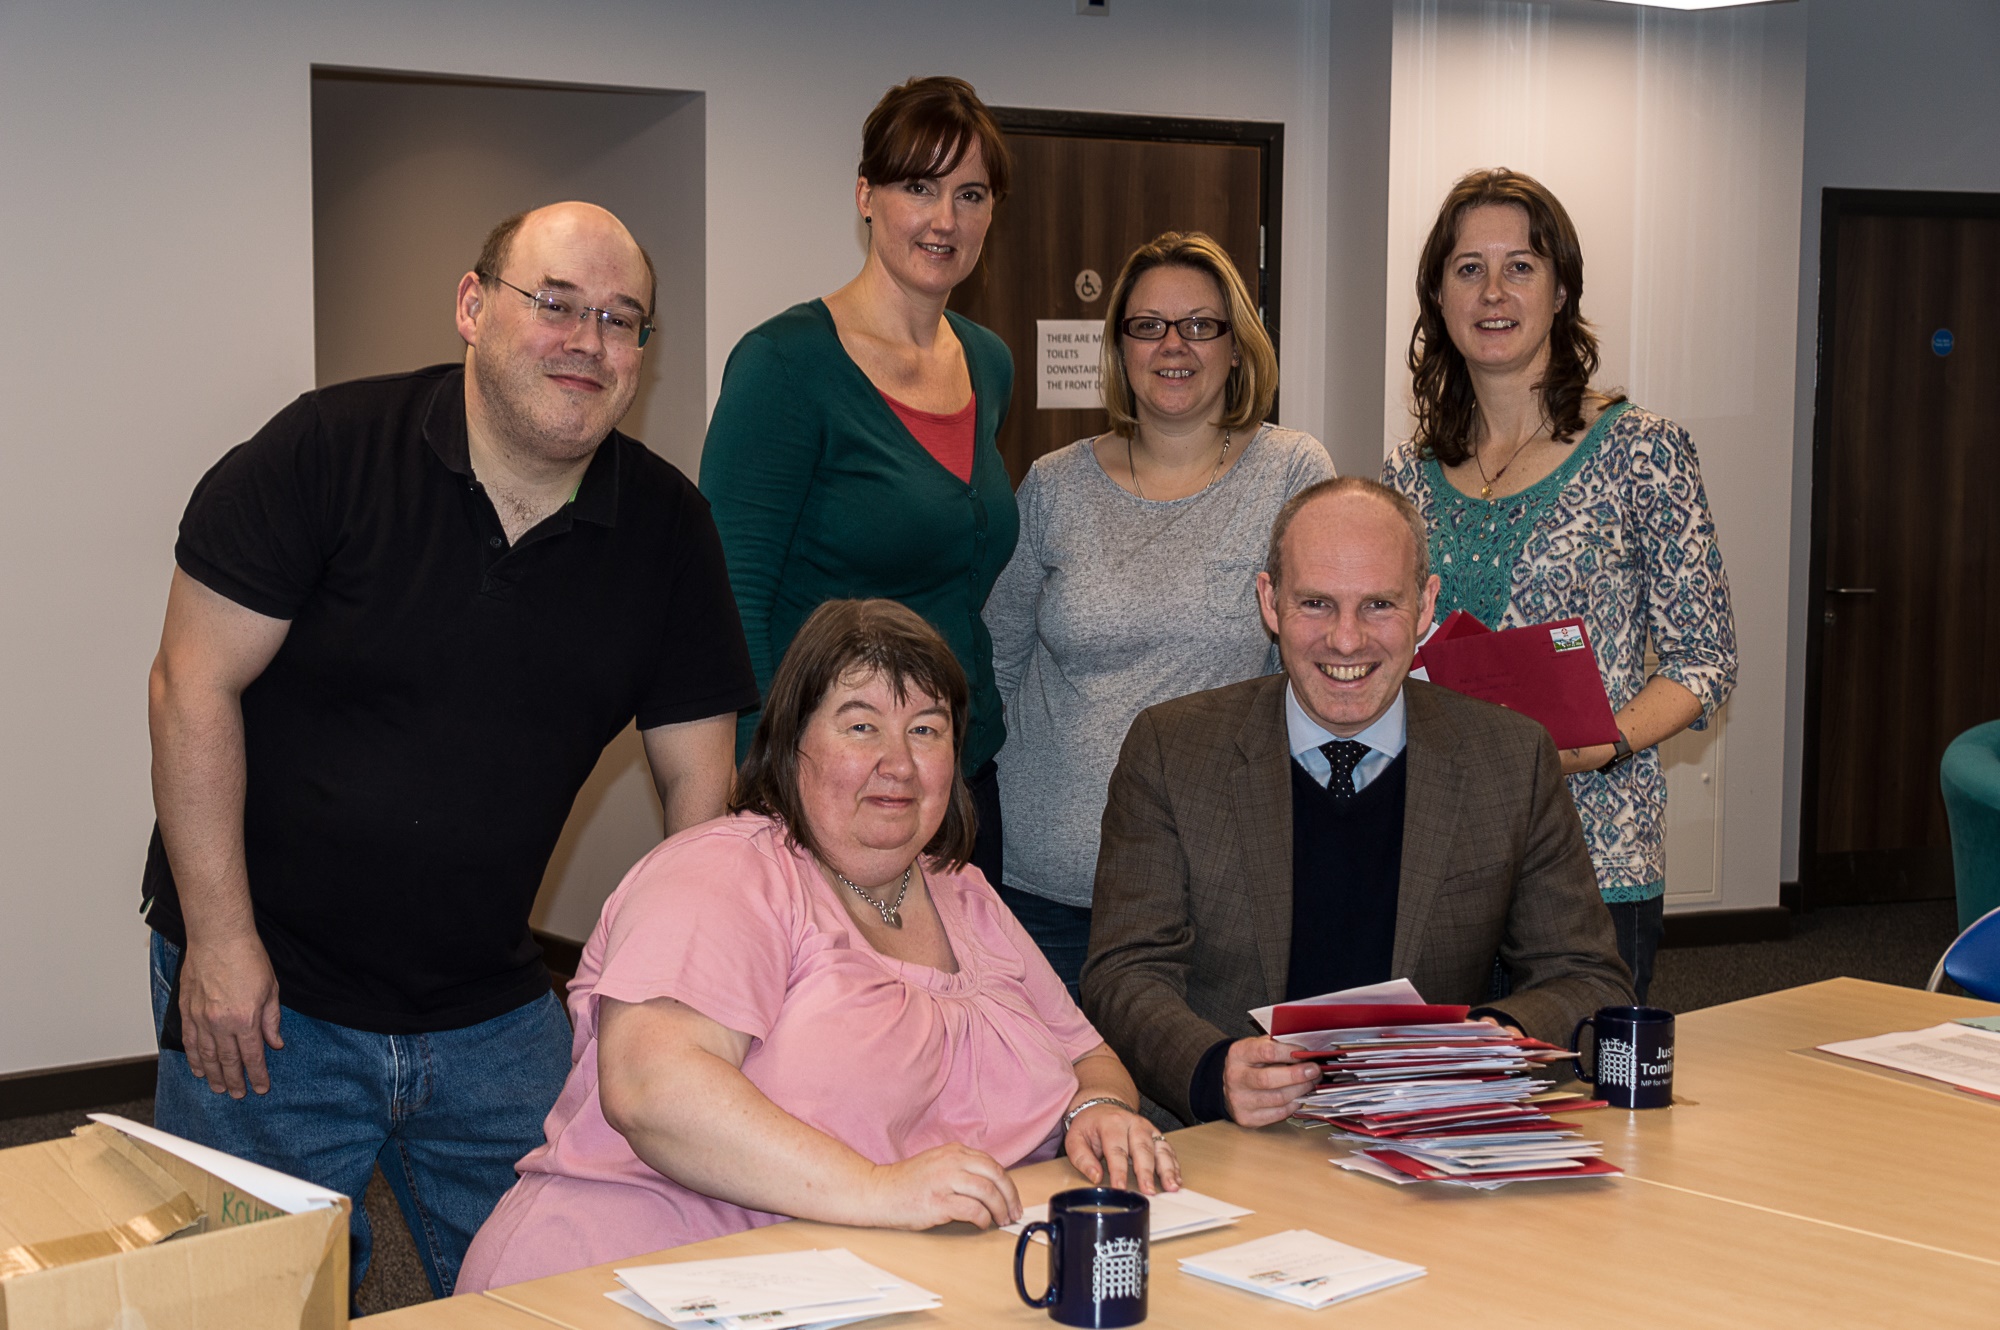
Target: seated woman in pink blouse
{"x": 813, "y": 1007}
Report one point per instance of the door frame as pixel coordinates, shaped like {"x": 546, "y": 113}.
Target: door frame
{"x": 1836, "y": 205}
{"x": 1267, "y": 136}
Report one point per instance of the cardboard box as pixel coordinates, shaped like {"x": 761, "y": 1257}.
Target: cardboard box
{"x": 126, "y": 1229}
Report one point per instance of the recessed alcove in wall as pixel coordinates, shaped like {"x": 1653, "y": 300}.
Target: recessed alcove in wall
{"x": 409, "y": 173}
{"x": 411, "y": 170}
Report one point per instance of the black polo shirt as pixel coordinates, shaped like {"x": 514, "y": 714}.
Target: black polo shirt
{"x": 416, "y": 744}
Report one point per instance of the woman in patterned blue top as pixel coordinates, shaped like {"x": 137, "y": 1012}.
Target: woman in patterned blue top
{"x": 1546, "y": 499}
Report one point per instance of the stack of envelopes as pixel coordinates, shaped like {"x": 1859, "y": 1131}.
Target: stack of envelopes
{"x": 779, "y": 1291}
{"x": 1451, "y": 1102}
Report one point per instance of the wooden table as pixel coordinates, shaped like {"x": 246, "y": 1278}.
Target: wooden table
{"x": 1780, "y": 1190}
{"x": 1761, "y": 1118}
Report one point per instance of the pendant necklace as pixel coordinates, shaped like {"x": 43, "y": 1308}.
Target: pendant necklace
{"x": 1133, "y": 471}
{"x": 1486, "y": 485}
{"x": 889, "y": 910}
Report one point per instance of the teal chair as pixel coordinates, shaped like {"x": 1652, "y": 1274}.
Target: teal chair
{"x": 1970, "y": 774}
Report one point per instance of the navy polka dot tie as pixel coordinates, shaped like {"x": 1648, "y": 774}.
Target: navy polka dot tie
{"x": 1345, "y": 754}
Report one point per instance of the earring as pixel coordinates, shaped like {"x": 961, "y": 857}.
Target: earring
{"x": 868, "y": 221}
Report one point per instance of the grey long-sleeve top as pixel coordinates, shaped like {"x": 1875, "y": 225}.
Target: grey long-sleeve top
{"x": 1110, "y": 604}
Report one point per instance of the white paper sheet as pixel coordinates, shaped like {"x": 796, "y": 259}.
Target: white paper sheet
{"x": 1301, "y": 1267}
{"x": 692, "y": 1291}
{"x": 290, "y": 1194}
{"x": 1955, "y": 1054}
{"x": 1395, "y": 990}
{"x": 1171, "y": 1214}
{"x": 891, "y": 1295}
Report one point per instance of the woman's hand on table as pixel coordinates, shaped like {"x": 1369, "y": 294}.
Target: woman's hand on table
{"x": 1114, "y": 1147}
{"x": 945, "y": 1183}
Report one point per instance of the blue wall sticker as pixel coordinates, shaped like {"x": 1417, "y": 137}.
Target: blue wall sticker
{"x": 1941, "y": 342}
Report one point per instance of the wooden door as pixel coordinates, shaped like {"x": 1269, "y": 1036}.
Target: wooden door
{"x": 1081, "y": 201}
{"x": 1907, "y": 559}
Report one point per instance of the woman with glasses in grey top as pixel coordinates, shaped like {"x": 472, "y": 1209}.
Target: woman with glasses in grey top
{"x": 1135, "y": 577}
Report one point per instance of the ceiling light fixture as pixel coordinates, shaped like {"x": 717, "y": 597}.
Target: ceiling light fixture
{"x": 1697, "y": 4}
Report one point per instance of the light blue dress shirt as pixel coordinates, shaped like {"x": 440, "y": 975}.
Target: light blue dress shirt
{"x": 1386, "y": 739}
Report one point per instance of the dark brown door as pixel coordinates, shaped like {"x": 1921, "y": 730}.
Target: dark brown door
{"x": 1079, "y": 204}
{"x": 1909, "y": 562}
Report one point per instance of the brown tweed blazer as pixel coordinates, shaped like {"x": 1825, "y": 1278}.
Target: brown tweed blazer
{"x": 1191, "y": 924}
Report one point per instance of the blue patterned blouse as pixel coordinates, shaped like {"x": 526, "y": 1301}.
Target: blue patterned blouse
{"x": 1619, "y": 535}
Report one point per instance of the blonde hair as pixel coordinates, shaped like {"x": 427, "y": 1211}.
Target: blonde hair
{"x": 1253, "y": 380}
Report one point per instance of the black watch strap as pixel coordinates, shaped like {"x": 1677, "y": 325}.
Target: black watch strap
{"x": 1620, "y": 752}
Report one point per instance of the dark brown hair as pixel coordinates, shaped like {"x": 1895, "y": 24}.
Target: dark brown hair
{"x": 1253, "y": 379}
{"x": 499, "y": 246}
{"x": 1441, "y": 388}
{"x": 1335, "y": 485}
{"x": 845, "y": 639}
{"x": 922, "y": 129}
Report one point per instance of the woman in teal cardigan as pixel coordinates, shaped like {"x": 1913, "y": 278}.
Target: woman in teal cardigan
{"x": 852, "y": 450}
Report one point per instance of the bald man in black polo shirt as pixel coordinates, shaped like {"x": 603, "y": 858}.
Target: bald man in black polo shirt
{"x": 405, "y": 620}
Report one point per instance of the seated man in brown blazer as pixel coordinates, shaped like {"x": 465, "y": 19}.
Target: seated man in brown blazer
{"x": 1335, "y": 825}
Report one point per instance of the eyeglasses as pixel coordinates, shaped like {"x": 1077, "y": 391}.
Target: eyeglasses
{"x": 1149, "y": 329}
{"x": 621, "y": 327}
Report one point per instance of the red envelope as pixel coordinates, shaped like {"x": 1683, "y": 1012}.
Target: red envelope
{"x": 1416, "y": 1168}
{"x": 1306, "y": 1017}
{"x": 1545, "y": 671}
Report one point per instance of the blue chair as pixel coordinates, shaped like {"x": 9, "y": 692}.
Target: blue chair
{"x": 1970, "y": 778}
{"x": 1972, "y": 961}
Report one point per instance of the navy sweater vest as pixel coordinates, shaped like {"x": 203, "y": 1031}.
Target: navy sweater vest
{"x": 1347, "y": 862}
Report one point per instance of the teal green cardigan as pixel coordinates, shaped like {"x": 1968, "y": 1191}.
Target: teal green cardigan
{"x": 820, "y": 492}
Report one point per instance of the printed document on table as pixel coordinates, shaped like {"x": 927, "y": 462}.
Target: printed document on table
{"x": 1953, "y": 1053}
{"x": 884, "y": 1295}
{"x": 744, "y": 1285}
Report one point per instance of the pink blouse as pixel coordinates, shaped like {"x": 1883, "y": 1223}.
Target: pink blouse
{"x": 889, "y": 1057}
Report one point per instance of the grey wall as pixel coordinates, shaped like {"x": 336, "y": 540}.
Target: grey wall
{"x": 1903, "y": 96}
{"x": 409, "y": 175}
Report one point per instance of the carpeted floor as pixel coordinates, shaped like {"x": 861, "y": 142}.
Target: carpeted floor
{"x": 1892, "y": 944}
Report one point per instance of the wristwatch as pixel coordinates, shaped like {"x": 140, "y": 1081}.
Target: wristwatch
{"x": 1620, "y": 752}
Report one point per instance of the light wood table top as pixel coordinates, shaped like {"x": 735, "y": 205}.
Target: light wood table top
{"x": 1762, "y": 1119}
{"x": 1783, "y": 1190}
{"x": 464, "y": 1314}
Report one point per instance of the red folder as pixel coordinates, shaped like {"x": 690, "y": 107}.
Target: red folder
{"x": 1545, "y": 671}
{"x": 1306, "y": 1017}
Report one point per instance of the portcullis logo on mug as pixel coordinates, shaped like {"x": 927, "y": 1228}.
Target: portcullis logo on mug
{"x": 1615, "y": 1063}
{"x": 1119, "y": 1270}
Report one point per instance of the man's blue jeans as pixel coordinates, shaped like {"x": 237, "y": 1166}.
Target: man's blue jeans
{"x": 445, "y": 1114}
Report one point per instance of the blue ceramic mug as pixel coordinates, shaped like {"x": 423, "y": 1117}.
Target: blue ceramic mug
{"x": 1632, "y": 1056}
{"x": 1097, "y": 1257}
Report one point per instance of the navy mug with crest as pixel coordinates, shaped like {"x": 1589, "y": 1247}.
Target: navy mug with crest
{"x": 1097, "y": 1257}
{"x": 1632, "y": 1056}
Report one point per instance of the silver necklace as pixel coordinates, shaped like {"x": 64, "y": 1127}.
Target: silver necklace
{"x": 889, "y": 910}
{"x": 1133, "y": 471}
